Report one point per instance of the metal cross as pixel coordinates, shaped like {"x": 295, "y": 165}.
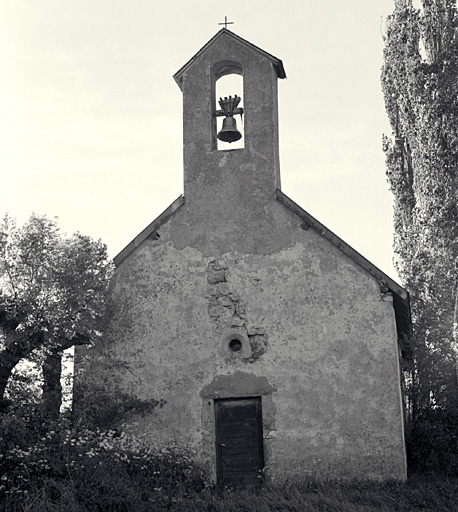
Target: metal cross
{"x": 226, "y": 23}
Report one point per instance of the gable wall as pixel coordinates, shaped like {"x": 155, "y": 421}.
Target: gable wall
{"x": 321, "y": 345}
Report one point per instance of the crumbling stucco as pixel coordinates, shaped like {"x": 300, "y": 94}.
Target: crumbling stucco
{"x": 322, "y": 353}
{"x": 234, "y": 261}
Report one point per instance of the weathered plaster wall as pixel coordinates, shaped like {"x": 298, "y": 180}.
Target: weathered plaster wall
{"x": 318, "y": 339}
{"x": 319, "y": 345}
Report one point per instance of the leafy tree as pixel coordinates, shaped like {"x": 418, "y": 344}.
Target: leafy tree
{"x": 53, "y": 291}
{"x": 420, "y": 86}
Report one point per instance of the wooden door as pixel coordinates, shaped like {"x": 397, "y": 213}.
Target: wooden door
{"x": 239, "y": 445}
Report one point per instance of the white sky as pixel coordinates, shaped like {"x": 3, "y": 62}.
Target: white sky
{"x": 91, "y": 119}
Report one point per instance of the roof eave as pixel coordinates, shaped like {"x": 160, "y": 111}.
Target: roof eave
{"x": 149, "y": 230}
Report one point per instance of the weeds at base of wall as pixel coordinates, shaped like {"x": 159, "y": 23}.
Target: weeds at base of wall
{"x": 65, "y": 469}
{"x": 86, "y": 471}
{"x": 58, "y": 468}
{"x": 51, "y": 495}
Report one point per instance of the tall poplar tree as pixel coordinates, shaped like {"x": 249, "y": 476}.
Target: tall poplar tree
{"x": 420, "y": 86}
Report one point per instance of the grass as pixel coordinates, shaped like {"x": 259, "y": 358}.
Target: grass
{"x": 66, "y": 470}
{"x": 421, "y": 493}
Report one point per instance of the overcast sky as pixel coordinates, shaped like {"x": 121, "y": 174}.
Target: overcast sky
{"x": 91, "y": 119}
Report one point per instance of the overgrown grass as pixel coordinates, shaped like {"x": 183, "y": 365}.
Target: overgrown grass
{"x": 309, "y": 496}
{"x": 59, "y": 495}
{"x": 63, "y": 469}
{"x": 59, "y": 469}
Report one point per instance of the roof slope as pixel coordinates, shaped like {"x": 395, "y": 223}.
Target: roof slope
{"x": 224, "y": 32}
{"x": 149, "y": 230}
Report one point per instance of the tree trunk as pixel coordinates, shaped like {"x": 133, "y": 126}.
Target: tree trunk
{"x": 52, "y": 388}
{"x": 17, "y": 347}
{"x": 8, "y": 360}
{"x": 455, "y": 338}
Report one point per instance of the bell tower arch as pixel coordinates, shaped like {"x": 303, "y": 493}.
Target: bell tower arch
{"x": 228, "y": 92}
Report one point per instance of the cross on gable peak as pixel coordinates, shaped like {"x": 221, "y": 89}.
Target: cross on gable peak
{"x": 226, "y": 23}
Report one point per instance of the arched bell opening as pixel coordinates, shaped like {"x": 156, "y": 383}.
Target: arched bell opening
{"x": 228, "y": 125}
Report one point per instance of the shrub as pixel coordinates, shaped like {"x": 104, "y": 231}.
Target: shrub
{"x": 94, "y": 470}
{"x": 432, "y": 442}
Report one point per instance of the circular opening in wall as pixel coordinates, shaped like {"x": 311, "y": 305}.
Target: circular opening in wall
{"x": 235, "y": 345}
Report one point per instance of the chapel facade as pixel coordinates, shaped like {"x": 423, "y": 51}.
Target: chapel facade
{"x": 270, "y": 343}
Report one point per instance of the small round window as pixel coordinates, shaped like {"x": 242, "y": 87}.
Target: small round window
{"x": 235, "y": 345}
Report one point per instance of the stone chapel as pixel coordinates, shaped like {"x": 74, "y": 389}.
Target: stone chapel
{"x": 271, "y": 344}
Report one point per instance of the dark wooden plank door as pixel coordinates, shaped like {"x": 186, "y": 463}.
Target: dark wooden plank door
{"x": 239, "y": 445}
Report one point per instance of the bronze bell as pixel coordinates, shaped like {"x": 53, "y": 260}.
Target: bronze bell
{"x": 229, "y": 132}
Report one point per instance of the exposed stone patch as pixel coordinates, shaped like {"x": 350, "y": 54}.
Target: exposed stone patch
{"x": 227, "y": 310}
{"x": 214, "y": 309}
{"x": 227, "y": 302}
{"x": 216, "y": 272}
{"x": 387, "y": 297}
{"x": 258, "y": 343}
{"x": 236, "y": 321}
{"x": 224, "y": 306}
{"x": 223, "y": 289}
{"x": 240, "y": 310}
